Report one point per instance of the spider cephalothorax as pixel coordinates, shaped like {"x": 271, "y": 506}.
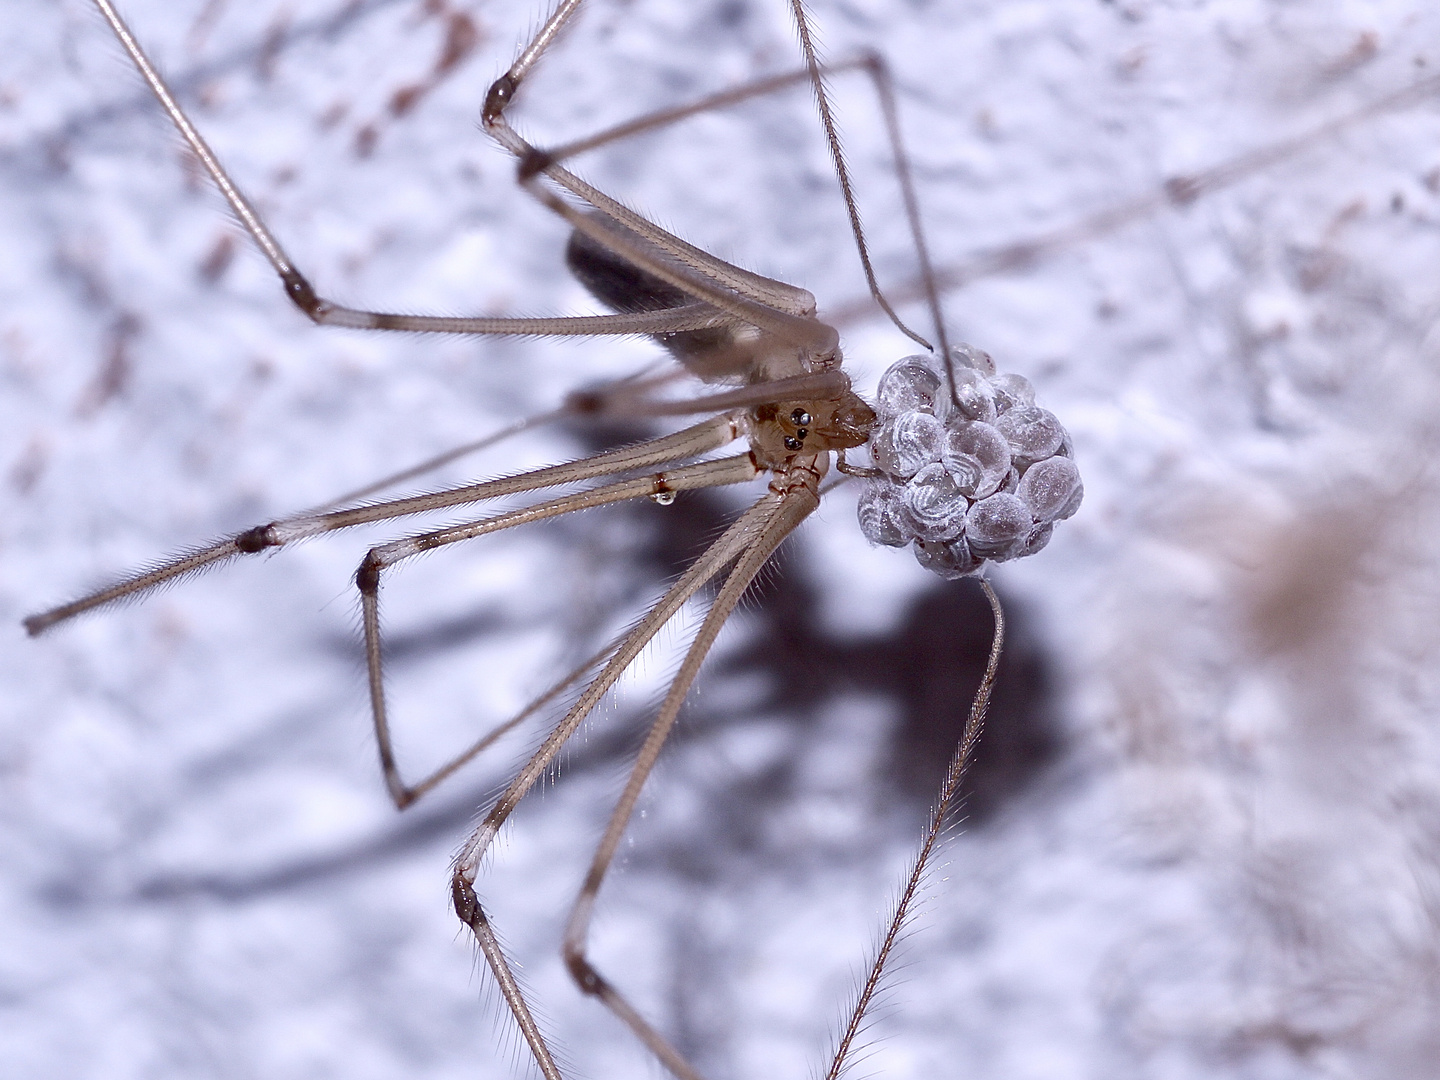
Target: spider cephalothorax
{"x": 780, "y": 431}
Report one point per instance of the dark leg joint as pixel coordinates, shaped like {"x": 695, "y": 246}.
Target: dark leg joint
{"x": 301, "y": 294}
{"x": 584, "y": 402}
{"x": 1182, "y": 190}
{"x": 502, "y": 92}
{"x": 256, "y": 539}
{"x": 35, "y": 625}
{"x": 532, "y": 164}
{"x": 585, "y": 976}
{"x": 467, "y": 904}
{"x": 367, "y": 578}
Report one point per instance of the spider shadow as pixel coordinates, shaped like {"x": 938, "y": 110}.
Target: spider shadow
{"x": 924, "y": 671}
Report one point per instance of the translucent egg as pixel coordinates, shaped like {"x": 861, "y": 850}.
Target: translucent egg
{"x": 1012, "y": 391}
{"x": 996, "y": 527}
{"x": 882, "y": 515}
{"x": 971, "y": 357}
{"x": 911, "y": 385}
{"x": 1032, "y": 432}
{"x": 950, "y": 560}
{"x": 935, "y": 503}
{"x": 906, "y": 444}
{"x": 1049, "y": 486}
{"x": 977, "y": 455}
{"x": 973, "y": 396}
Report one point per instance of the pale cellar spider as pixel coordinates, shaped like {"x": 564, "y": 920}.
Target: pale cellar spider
{"x": 1204, "y": 234}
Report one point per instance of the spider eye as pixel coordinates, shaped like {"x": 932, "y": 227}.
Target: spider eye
{"x": 800, "y": 417}
{"x": 792, "y": 443}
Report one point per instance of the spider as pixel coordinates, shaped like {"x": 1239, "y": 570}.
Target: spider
{"x": 967, "y": 470}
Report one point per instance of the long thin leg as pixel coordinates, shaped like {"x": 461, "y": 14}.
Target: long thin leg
{"x": 730, "y": 546}
{"x": 826, "y": 385}
{"x": 795, "y": 506}
{"x": 690, "y": 442}
{"x": 772, "y": 306}
{"x": 415, "y": 792}
{"x": 767, "y": 292}
{"x": 873, "y": 65}
{"x": 944, "y": 806}
{"x": 842, "y": 174}
{"x": 698, "y": 316}
{"x": 609, "y": 399}
{"x": 632, "y": 238}
{"x": 731, "y": 470}
{"x": 774, "y": 294}
{"x": 439, "y": 461}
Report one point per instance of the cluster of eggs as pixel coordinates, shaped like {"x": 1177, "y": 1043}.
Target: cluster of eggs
{"x": 971, "y": 477}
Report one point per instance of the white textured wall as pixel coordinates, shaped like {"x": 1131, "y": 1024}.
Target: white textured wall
{"x": 1226, "y": 866}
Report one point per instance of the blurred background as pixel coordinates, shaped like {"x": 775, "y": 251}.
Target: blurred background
{"x": 1202, "y": 837}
